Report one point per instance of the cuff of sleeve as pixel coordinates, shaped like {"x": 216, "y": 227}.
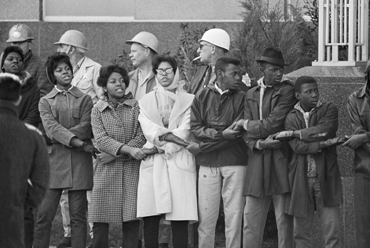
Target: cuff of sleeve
{"x": 368, "y": 137}
{"x": 257, "y": 145}
{"x": 300, "y": 135}
{"x": 245, "y": 125}
{"x": 67, "y": 142}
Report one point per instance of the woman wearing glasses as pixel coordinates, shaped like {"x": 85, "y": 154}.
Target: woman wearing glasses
{"x": 120, "y": 139}
{"x": 167, "y": 178}
{"x": 12, "y": 62}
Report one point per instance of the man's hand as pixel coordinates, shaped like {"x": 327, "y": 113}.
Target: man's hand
{"x": 239, "y": 125}
{"x": 355, "y": 141}
{"x": 331, "y": 142}
{"x": 150, "y": 151}
{"x": 193, "y": 148}
{"x": 137, "y": 153}
{"x": 89, "y": 148}
{"x": 230, "y": 133}
{"x": 106, "y": 158}
{"x": 270, "y": 143}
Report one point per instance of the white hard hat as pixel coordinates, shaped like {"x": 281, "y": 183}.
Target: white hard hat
{"x": 217, "y": 37}
{"x": 73, "y": 38}
{"x": 145, "y": 39}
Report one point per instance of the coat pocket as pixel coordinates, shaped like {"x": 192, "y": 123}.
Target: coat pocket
{"x": 85, "y": 83}
{"x": 185, "y": 161}
{"x": 76, "y": 114}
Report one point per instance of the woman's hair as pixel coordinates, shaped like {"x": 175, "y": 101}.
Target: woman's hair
{"x": 53, "y": 62}
{"x": 8, "y": 50}
{"x": 164, "y": 58}
{"x": 106, "y": 71}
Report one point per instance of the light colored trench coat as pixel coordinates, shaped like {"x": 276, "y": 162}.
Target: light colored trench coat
{"x": 167, "y": 182}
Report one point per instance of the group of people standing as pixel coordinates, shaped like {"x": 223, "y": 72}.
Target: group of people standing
{"x": 140, "y": 150}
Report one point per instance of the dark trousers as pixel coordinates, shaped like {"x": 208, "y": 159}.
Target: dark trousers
{"x": 46, "y": 213}
{"x": 362, "y": 209}
{"x": 29, "y": 223}
{"x": 130, "y": 234}
{"x": 151, "y": 230}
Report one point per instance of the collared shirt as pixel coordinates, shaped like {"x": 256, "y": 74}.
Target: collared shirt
{"x": 62, "y": 91}
{"x": 262, "y": 92}
{"x": 141, "y": 86}
{"x": 85, "y": 76}
{"x": 220, "y": 90}
{"x": 78, "y": 65}
{"x": 311, "y": 171}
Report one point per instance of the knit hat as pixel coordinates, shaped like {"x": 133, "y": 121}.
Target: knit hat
{"x": 52, "y": 63}
{"x": 6, "y": 52}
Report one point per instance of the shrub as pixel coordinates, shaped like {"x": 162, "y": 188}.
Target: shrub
{"x": 269, "y": 26}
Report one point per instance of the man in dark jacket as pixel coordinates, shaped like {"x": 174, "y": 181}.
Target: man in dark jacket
{"x": 21, "y": 35}
{"x": 266, "y": 107}
{"x": 313, "y": 169}
{"x": 220, "y": 153}
{"x": 214, "y": 44}
{"x": 24, "y": 164}
{"x": 359, "y": 112}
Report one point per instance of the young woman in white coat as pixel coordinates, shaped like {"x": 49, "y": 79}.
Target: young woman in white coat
{"x": 167, "y": 181}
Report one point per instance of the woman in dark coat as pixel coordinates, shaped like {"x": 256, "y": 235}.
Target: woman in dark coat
{"x": 66, "y": 117}
{"x": 12, "y": 62}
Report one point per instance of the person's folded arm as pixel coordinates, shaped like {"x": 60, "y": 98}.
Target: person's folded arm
{"x": 273, "y": 123}
{"x": 83, "y": 129}
{"x": 53, "y": 129}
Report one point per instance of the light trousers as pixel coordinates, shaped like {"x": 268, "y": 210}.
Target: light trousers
{"x": 216, "y": 182}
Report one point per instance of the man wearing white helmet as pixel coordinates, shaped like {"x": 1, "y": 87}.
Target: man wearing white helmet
{"x": 85, "y": 70}
{"x": 85, "y": 76}
{"x": 214, "y": 44}
{"x": 144, "y": 47}
{"x": 21, "y": 35}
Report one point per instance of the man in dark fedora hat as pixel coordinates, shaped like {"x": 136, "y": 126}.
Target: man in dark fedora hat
{"x": 265, "y": 109}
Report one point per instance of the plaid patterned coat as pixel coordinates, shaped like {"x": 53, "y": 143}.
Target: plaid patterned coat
{"x": 114, "y": 196}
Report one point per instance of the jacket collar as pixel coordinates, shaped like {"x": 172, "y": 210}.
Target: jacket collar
{"x": 362, "y": 92}
{"x": 102, "y": 104}
{"x": 8, "y": 107}
{"x": 213, "y": 88}
{"x": 134, "y": 76}
{"x": 73, "y": 91}
{"x": 299, "y": 107}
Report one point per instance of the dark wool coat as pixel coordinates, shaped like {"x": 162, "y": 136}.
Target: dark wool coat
{"x": 28, "y": 108}
{"x": 23, "y": 156}
{"x": 64, "y": 116}
{"x": 199, "y": 80}
{"x": 267, "y": 171}
{"x": 35, "y": 65}
{"x": 359, "y": 112}
{"x": 322, "y": 119}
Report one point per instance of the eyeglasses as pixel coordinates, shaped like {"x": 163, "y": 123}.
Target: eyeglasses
{"x": 204, "y": 44}
{"x": 163, "y": 72}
